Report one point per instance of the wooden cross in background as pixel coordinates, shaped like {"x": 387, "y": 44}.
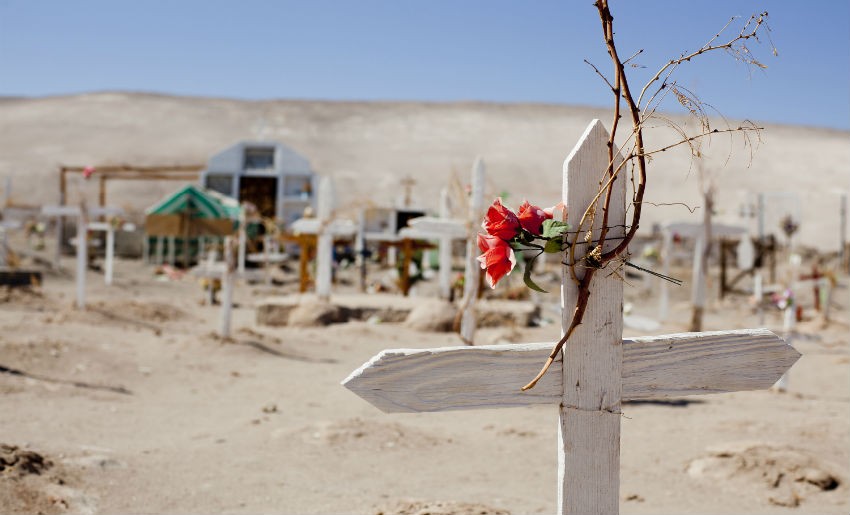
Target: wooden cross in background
{"x": 597, "y": 369}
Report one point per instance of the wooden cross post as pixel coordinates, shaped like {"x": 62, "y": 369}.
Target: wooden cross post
{"x": 82, "y": 244}
{"x": 109, "y": 245}
{"x": 445, "y": 252}
{"x": 242, "y": 243}
{"x": 227, "y": 278}
{"x": 472, "y": 273}
{"x": 407, "y": 183}
{"x": 110, "y": 248}
{"x": 445, "y": 230}
{"x": 325, "y": 239}
{"x": 597, "y": 369}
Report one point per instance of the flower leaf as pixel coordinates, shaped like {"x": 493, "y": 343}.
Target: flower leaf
{"x": 553, "y": 228}
{"x": 553, "y": 246}
{"x": 526, "y": 277}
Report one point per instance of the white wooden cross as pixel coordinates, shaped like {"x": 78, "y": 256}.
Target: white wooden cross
{"x": 325, "y": 228}
{"x": 443, "y": 229}
{"x": 109, "y": 258}
{"x": 324, "y": 240}
{"x": 696, "y": 232}
{"x": 82, "y": 248}
{"x": 472, "y": 272}
{"x": 227, "y": 279}
{"x": 597, "y": 369}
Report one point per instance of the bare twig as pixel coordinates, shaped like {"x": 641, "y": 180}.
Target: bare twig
{"x": 595, "y": 258}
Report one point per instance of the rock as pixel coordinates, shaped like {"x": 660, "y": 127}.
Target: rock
{"x": 503, "y": 313}
{"x": 497, "y": 336}
{"x": 786, "y": 497}
{"x": 821, "y": 479}
{"x": 19, "y": 462}
{"x": 432, "y": 315}
{"x": 316, "y": 313}
{"x": 782, "y": 475}
{"x": 274, "y": 314}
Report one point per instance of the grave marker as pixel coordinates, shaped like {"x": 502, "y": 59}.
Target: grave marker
{"x": 472, "y": 273}
{"x": 82, "y": 214}
{"x": 324, "y": 243}
{"x": 596, "y": 370}
{"x": 230, "y": 259}
{"x": 445, "y": 249}
{"x": 109, "y": 246}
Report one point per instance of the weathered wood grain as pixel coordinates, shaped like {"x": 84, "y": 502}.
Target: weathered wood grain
{"x": 490, "y": 376}
{"x": 700, "y": 363}
{"x": 472, "y": 272}
{"x": 324, "y": 242}
{"x": 589, "y": 431}
{"x": 454, "y": 378}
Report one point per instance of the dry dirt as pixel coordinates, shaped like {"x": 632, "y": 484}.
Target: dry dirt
{"x": 135, "y": 406}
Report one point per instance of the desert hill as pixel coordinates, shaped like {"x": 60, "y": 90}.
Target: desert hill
{"x": 368, "y": 146}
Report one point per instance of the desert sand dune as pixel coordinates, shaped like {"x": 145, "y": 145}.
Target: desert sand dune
{"x": 368, "y": 146}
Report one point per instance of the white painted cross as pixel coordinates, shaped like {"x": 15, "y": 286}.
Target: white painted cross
{"x": 696, "y": 233}
{"x": 443, "y": 229}
{"x": 109, "y": 258}
{"x": 324, "y": 240}
{"x": 445, "y": 249}
{"x": 227, "y": 276}
{"x": 597, "y": 369}
{"x": 82, "y": 228}
{"x": 472, "y": 272}
{"x": 325, "y": 228}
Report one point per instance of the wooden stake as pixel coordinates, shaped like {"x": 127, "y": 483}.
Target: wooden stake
{"x": 445, "y": 251}
{"x": 472, "y": 273}
{"x": 110, "y": 255}
{"x": 227, "y": 287}
{"x": 82, "y": 261}
{"x": 589, "y": 432}
{"x": 324, "y": 239}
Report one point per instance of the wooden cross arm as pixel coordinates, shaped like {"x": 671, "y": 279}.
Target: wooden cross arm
{"x": 460, "y": 378}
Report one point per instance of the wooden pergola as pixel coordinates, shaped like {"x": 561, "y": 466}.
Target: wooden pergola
{"x": 126, "y": 172}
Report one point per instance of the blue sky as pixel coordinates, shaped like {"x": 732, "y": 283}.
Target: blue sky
{"x": 432, "y": 50}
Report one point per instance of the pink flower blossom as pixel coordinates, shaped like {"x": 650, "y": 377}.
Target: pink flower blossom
{"x": 501, "y": 221}
{"x": 531, "y": 217}
{"x": 497, "y": 259}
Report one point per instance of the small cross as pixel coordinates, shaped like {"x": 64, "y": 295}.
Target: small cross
{"x": 407, "y": 182}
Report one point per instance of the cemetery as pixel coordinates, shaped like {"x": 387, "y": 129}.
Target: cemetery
{"x": 411, "y": 308}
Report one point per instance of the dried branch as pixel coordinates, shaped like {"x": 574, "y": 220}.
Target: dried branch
{"x": 639, "y": 113}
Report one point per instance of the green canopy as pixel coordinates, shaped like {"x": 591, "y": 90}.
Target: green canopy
{"x": 198, "y": 202}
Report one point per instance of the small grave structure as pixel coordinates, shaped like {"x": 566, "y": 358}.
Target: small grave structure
{"x": 184, "y": 219}
{"x": 277, "y": 180}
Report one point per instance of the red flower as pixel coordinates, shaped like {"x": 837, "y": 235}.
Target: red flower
{"x": 531, "y": 217}
{"x": 497, "y": 259}
{"x": 88, "y": 172}
{"x": 501, "y": 221}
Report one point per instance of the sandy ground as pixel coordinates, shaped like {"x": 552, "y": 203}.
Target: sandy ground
{"x": 173, "y": 420}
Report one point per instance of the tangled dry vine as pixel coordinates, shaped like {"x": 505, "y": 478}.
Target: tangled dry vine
{"x": 634, "y": 155}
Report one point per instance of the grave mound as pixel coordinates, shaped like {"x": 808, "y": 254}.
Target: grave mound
{"x": 780, "y": 475}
